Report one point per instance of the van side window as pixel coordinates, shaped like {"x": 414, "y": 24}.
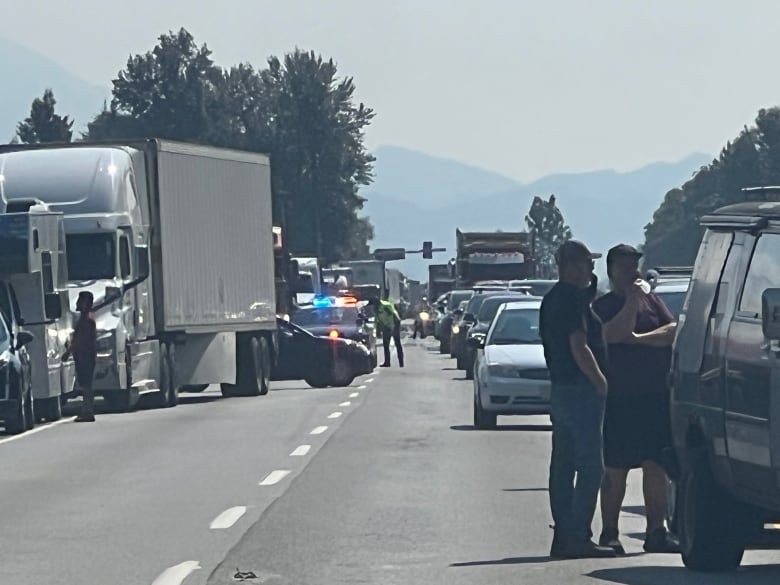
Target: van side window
{"x": 763, "y": 273}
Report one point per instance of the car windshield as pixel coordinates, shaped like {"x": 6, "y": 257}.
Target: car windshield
{"x": 516, "y": 327}
{"x": 490, "y": 307}
{"x": 673, "y": 300}
{"x": 314, "y": 316}
{"x": 91, "y": 257}
{"x": 457, "y": 297}
{"x": 305, "y": 283}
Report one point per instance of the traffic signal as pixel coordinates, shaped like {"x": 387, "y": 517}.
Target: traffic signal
{"x": 427, "y": 250}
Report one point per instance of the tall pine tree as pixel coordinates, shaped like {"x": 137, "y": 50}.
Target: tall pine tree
{"x": 44, "y": 124}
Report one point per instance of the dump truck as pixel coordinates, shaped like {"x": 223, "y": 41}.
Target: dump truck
{"x": 493, "y": 256}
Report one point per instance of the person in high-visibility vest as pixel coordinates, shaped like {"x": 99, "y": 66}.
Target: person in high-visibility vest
{"x": 388, "y": 325}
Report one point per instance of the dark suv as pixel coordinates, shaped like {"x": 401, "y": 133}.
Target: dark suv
{"x": 725, "y": 406}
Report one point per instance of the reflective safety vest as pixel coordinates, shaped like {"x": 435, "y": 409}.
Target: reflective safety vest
{"x": 386, "y": 315}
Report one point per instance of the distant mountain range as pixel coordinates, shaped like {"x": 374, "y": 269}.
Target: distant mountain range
{"x": 418, "y": 197}
{"x": 415, "y": 196}
{"x": 26, "y": 74}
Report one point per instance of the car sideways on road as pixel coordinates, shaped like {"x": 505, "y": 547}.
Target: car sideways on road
{"x": 319, "y": 361}
{"x": 511, "y": 376}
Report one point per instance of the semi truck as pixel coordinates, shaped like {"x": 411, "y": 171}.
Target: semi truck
{"x": 367, "y": 272}
{"x": 34, "y": 299}
{"x": 496, "y": 256}
{"x": 440, "y": 281}
{"x": 175, "y": 243}
{"x": 309, "y": 278}
{"x": 393, "y": 284}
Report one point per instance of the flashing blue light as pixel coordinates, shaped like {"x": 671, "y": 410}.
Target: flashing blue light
{"x": 321, "y": 302}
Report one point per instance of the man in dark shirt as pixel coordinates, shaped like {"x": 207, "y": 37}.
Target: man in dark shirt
{"x": 639, "y": 330}
{"x": 575, "y": 355}
{"x": 84, "y": 351}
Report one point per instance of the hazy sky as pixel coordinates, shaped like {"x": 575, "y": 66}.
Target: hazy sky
{"x": 521, "y": 87}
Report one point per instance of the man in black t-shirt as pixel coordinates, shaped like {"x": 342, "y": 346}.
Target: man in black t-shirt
{"x": 576, "y": 356}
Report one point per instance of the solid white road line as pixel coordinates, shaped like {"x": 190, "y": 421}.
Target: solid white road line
{"x": 347, "y": 403}
{"x": 319, "y": 430}
{"x": 300, "y": 451}
{"x": 355, "y": 394}
{"x": 227, "y": 518}
{"x": 334, "y": 414}
{"x": 275, "y": 477}
{"x": 36, "y": 430}
{"x": 177, "y": 574}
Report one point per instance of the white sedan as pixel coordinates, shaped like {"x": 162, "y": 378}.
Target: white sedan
{"x": 511, "y": 376}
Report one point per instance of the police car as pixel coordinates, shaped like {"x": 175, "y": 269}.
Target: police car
{"x": 341, "y": 317}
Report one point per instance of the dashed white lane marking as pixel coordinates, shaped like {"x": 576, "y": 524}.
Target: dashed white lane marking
{"x": 36, "y": 430}
{"x": 275, "y": 477}
{"x": 369, "y": 380}
{"x": 363, "y": 387}
{"x": 319, "y": 430}
{"x": 227, "y": 518}
{"x": 355, "y": 394}
{"x": 177, "y": 574}
{"x": 347, "y": 403}
{"x": 300, "y": 451}
{"x": 334, "y": 414}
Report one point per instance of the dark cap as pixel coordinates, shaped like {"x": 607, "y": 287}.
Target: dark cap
{"x": 573, "y": 250}
{"x": 622, "y": 251}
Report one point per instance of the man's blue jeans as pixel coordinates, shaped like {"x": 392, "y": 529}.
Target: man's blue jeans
{"x": 577, "y": 414}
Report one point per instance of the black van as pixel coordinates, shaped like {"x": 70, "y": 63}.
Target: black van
{"x": 725, "y": 378}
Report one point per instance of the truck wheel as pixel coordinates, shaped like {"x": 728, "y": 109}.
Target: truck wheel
{"x": 672, "y": 509}
{"x": 173, "y": 386}
{"x": 123, "y": 400}
{"x": 713, "y": 525}
{"x": 48, "y": 409}
{"x": 160, "y": 398}
{"x": 265, "y": 364}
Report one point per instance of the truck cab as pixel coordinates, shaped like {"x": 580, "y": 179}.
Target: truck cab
{"x": 725, "y": 379}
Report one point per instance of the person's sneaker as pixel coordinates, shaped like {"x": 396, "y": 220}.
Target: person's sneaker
{"x": 587, "y": 549}
{"x": 661, "y": 541}
{"x": 610, "y": 537}
{"x": 85, "y": 417}
{"x": 384, "y": 365}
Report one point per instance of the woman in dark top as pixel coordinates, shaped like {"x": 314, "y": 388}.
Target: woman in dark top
{"x": 639, "y": 330}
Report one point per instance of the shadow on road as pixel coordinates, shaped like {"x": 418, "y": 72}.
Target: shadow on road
{"x": 449, "y": 369}
{"x": 755, "y": 574}
{"x": 202, "y": 399}
{"x": 526, "y": 561}
{"x": 503, "y": 428}
{"x": 638, "y": 510}
{"x": 539, "y": 489}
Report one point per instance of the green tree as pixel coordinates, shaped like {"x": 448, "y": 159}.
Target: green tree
{"x": 297, "y": 110}
{"x": 751, "y": 159}
{"x": 548, "y": 230}
{"x": 44, "y": 124}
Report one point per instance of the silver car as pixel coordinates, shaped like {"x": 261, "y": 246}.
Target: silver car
{"x": 511, "y": 376}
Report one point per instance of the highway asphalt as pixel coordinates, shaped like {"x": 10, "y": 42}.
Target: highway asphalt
{"x": 385, "y": 482}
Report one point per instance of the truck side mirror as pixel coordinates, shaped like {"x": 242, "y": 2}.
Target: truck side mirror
{"x": 52, "y": 306}
{"x": 142, "y": 262}
{"x": 770, "y": 313}
{"x": 113, "y": 293}
{"x": 24, "y": 338}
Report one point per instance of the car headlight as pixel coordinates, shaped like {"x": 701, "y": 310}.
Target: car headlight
{"x": 502, "y": 371}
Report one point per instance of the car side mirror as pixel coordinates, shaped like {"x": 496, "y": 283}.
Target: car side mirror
{"x": 24, "y": 338}
{"x": 770, "y": 313}
{"x": 475, "y": 342}
{"x": 142, "y": 262}
{"x": 52, "y": 306}
{"x": 113, "y": 293}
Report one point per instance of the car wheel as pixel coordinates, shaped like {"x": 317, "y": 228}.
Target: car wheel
{"x": 121, "y": 400}
{"x": 17, "y": 422}
{"x": 29, "y": 411}
{"x": 482, "y": 419}
{"x": 459, "y": 363}
{"x": 342, "y": 374}
{"x": 713, "y": 526}
{"x": 48, "y": 409}
{"x": 316, "y": 382}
